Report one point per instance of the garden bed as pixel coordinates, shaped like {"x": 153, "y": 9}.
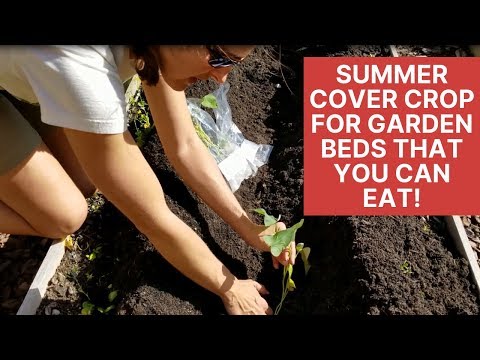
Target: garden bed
{"x": 20, "y": 259}
{"x": 360, "y": 265}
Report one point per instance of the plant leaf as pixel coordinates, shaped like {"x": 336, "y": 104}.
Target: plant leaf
{"x": 299, "y": 247}
{"x": 290, "y": 270}
{"x": 268, "y": 239}
{"x": 268, "y": 220}
{"x": 304, "y": 254}
{"x": 87, "y": 305}
{"x": 283, "y": 238}
{"x": 276, "y": 249}
{"x": 110, "y": 308}
{"x": 112, "y": 295}
{"x": 307, "y": 268}
{"x": 209, "y": 101}
{"x": 85, "y": 312}
{"x": 298, "y": 225}
{"x": 291, "y": 285}
{"x": 68, "y": 242}
{"x": 260, "y": 211}
{"x": 87, "y": 308}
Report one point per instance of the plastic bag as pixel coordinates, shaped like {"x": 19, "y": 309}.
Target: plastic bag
{"x": 237, "y": 158}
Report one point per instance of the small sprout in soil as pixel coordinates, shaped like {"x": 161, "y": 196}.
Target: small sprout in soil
{"x": 426, "y": 229}
{"x": 95, "y": 202}
{"x": 406, "y": 268}
{"x": 69, "y": 243}
{"x": 279, "y": 242}
{"x": 105, "y": 311}
{"x": 87, "y": 308}
{"x": 112, "y": 295}
{"x": 96, "y": 253}
{"x": 139, "y": 117}
{"x": 73, "y": 275}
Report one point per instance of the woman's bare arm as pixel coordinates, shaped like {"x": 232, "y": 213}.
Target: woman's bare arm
{"x": 197, "y": 167}
{"x": 117, "y": 167}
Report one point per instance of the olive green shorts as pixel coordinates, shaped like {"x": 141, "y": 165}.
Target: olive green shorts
{"x": 18, "y": 138}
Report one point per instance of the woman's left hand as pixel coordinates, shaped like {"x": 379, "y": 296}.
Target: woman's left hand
{"x": 255, "y": 239}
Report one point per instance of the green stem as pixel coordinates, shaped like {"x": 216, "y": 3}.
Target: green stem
{"x": 279, "y": 306}
{"x": 284, "y": 291}
{"x": 80, "y": 289}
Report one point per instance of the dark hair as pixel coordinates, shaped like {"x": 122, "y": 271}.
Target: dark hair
{"x": 146, "y": 63}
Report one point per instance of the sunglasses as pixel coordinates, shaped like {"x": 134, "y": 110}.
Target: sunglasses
{"x": 219, "y": 59}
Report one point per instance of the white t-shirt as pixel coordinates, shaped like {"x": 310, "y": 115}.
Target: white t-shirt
{"x": 77, "y": 87}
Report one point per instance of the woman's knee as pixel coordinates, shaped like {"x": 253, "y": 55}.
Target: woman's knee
{"x": 66, "y": 221}
{"x": 39, "y": 190}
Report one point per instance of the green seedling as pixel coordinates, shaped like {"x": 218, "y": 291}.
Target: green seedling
{"x": 287, "y": 283}
{"x": 406, "y": 268}
{"x": 111, "y": 297}
{"x": 96, "y": 253}
{"x": 279, "y": 242}
{"x": 69, "y": 243}
{"x": 281, "y": 239}
{"x": 210, "y": 102}
{"x": 268, "y": 220}
{"x": 139, "y": 114}
{"x": 73, "y": 275}
{"x": 107, "y": 310}
{"x": 426, "y": 229}
{"x": 88, "y": 307}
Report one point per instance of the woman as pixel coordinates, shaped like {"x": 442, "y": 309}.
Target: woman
{"x": 83, "y": 144}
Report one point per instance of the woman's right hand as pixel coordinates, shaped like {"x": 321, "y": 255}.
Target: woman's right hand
{"x": 254, "y": 237}
{"x": 245, "y": 298}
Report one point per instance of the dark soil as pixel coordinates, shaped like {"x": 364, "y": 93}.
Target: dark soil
{"x": 360, "y": 265}
{"x": 20, "y": 258}
{"x": 433, "y": 51}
